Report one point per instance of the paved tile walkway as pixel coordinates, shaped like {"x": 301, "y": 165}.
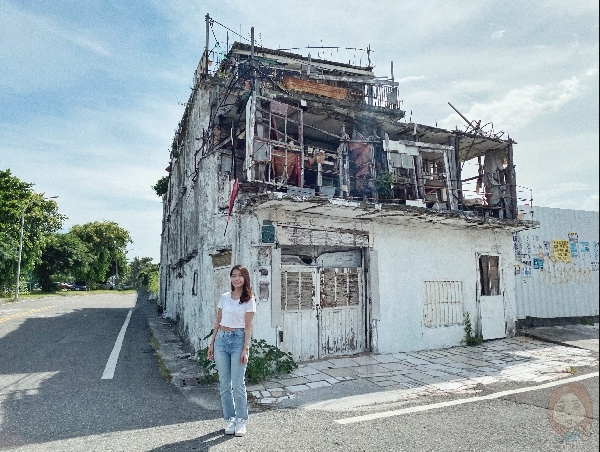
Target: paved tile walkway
{"x": 434, "y": 372}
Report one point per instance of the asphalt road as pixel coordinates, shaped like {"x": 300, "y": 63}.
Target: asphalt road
{"x": 54, "y": 351}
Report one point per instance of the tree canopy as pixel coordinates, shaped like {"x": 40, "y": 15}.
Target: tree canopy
{"x": 40, "y": 220}
{"x": 64, "y": 258}
{"x": 106, "y": 241}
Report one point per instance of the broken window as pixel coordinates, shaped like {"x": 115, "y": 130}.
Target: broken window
{"x": 339, "y": 287}
{"x": 297, "y": 289}
{"x": 489, "y": 273}
{"x": 195, "y": 283}
{"x": 221, "y": 259}
{"x": 276, "y": 142}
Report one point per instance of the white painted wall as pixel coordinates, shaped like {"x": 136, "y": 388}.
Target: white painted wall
{"x": 407, "y": 256}
{"x": 558, "y": 289}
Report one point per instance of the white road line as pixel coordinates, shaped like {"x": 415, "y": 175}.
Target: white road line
{"x": 433, "y": 406}
{"x": 109, "y": 370}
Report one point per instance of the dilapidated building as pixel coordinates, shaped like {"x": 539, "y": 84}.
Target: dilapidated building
{"x": 352, "y": 219}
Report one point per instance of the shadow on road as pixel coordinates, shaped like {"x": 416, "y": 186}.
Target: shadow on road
{"x": 51, "y": 386}
{"x": 202, "y": 443}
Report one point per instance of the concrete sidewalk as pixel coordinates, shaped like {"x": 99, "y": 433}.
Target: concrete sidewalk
{"x": 455, "y": 370}
{"x": 581, "y": 336}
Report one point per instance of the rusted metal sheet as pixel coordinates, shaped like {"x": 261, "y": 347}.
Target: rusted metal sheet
{"x": 339, "y": 287}
{"x": 298, "y": 289}
{"x": 319, "y": 89}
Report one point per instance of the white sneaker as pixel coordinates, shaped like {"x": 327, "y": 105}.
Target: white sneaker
{"x": 230, "y": 426}
{"x": 240, "y": 427}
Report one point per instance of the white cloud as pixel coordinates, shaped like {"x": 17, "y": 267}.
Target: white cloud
{"x": 499, "y": 34}
{"x": 592, "y": 71}
{"x": 410, "y": 78}
{"x": 96, "y": 46}
{"x": 521, "y": 105}
{"x": 568, "y": 195}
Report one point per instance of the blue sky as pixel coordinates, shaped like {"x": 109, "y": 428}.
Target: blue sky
{"x": 91, "y": 91}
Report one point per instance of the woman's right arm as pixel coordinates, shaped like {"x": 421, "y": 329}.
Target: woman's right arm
{"x": 211, "y": 346}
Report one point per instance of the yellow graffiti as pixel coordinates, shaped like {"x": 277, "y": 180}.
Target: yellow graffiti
{"x": 561, "y": 250}
{"x": 560, "y": 273}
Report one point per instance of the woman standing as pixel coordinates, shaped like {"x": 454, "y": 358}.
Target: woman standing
{"x": 229, "y": 348}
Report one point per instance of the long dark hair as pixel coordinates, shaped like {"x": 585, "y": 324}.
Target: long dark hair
{"x": 246, "y": 290}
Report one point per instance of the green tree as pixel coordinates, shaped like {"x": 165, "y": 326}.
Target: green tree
{"x": 141, "y": 270}
{"x": 41, "y": 219}
{"x": 64, "y": 258}
{"x": 106, "y": 243}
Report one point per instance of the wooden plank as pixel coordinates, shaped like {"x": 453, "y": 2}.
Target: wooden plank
{"x": 320, "y": 89}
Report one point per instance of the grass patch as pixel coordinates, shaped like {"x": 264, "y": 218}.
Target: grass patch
{"x": 162, "y": 368}
{"x": 571, "y": 370}
{"x": 155, "y": 344}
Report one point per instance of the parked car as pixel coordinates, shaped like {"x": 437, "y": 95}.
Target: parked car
{"x": 106, "y": 285}
{"x": 64, "y": 286}
{"x": 79, "y": 285}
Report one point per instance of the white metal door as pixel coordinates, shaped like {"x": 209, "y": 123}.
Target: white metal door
{"x": 492, "y": 317}
{"x": 323, "y": 311}
{"x": 300, "y": 311}
{"x": 491, "y": 297}
{"x": 341, "y": 314}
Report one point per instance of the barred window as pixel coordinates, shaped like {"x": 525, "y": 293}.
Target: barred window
{"x": 443, "y": 305}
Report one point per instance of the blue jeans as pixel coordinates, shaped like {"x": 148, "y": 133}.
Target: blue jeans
{"x": 228, "y": 350}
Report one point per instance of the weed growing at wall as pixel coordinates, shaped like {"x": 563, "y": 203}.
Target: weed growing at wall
{"x": 267, "y": 361}
{"x": 469, "y": 338}
{"x": 264, "y": 361}
{"x": 208, "y": 367}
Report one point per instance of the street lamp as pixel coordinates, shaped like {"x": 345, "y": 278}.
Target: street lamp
{"x": 21, "y": 244}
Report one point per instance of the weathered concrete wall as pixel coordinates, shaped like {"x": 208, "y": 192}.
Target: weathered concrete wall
{"x": 407, "y": 257}
{"x": 194, "y": 204}
{"x": 556, "y": 265}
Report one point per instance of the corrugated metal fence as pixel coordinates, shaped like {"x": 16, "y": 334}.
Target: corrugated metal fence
{"x": 556, "y": 265}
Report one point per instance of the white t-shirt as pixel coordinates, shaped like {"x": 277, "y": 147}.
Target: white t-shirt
{"x": 233, "y": 313}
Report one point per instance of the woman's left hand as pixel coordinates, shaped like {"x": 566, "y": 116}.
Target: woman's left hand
{"x": 244, "y": 357}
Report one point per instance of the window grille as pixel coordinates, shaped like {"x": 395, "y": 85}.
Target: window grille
{"x": 443, "y": 304}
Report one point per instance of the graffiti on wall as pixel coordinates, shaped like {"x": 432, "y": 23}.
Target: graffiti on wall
{"x": 562, "y": 273}
{"x": 557, "y": 261}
